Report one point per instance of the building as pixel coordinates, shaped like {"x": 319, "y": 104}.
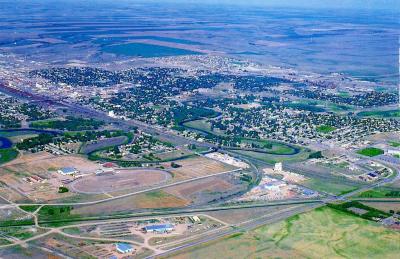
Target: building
{"x": 68, "y": 171}
{"x": 278, "y": 167}
{"x": 124, "y": 248}
{"x": 194, "y": 219}
{"x": 163, "y": 228}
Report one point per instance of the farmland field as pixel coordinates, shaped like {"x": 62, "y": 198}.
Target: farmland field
{"x": 322, "y": 233}
{"x": 155, "y": 199}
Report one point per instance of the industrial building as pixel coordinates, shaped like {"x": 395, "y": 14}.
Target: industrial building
{"x": 163, "y": 228}
{"x": 124, "y": 248}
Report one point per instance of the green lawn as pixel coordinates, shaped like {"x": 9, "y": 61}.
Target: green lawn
{"x": 7, "y": 155}
{"x": 321, "y": 233}
{"x": 370, "y": 151}
{"x": 394, "y": 144}
{"x": 381, "y": 114}
{"x": 325, "y": 129}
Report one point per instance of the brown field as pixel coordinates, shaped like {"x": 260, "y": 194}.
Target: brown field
{"x": 120, "y": 180}
{"x": 197, "y": 167}
{"x": 242, "y": 215}
{"x": 17, "y": 176}
{"x": 156, "y": 199}
{"x": 37, "y": 163}
{"x": 188, "y": 190}
{"x": 384, "y": 206}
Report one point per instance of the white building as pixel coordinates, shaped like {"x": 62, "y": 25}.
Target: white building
{"x": 278, "y": 167}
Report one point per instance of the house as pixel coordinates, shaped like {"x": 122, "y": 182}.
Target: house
{"x": 124, "y": 248}
{"x": 163, "y": 228}
{"x": 68, "y": 171}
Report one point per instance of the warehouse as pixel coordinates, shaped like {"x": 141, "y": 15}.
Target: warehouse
{"x": 123, "y": 248}
{"x": 164, "y": 228}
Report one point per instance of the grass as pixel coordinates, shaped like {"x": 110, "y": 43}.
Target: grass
{"x": 54, "y": 213}
{"x": 380, "y": 114}
{"x": 325, "y": 129}
{"x": 29, "y": 208}
{"x": 321, "y": 233}
{"x": 394, "y": 144}
{"x": 335, "y": 188}
{"x": 7, "y": 154}
{"x": 370, "y": 214}
{"x": 381, "y": 192}
{"x": 370, "y": 151}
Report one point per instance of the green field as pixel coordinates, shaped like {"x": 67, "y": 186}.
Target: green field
{"x": 394, "y": 144}
{"x": 325, "y": 129}
{"x": 370, "y": 151}
{"x": 335, "y": 188}
{"x": 380, "y": 114}
{"x": 381, "y": 192}
{"x": 322, "y": 233}
{"x": 7, "y": 155}
{"x": 29, "y": 208}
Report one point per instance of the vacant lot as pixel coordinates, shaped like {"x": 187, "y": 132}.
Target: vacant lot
{"x": 121, "y": 180}
{"x": 197, "y": 167}
{"x": 322, "y": 233}
{"x": 38, "y": 163}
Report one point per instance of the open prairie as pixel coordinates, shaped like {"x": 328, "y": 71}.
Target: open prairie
{"x": 322, "y": 233}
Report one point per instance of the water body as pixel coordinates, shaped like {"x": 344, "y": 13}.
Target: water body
{"x": 5, "y": 143}
{"x": 147, "y": 50}
{"x": 16, "y": 132}
{"x": 113, "y": 40}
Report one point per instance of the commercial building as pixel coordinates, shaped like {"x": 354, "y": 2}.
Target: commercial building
{"x": 163, "y": 228}
{"x": 124, "y": 248}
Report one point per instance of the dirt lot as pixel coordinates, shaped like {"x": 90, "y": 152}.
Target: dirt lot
{"x": 37, "y": 163}
{"x": 34, "y": 176}
{"x": 120, "y": 180}
{"x": 197, "y": 167}
{"x": 206, "y": 185}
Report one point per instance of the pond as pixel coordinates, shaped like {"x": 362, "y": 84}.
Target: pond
{"x": 5, "y": 143}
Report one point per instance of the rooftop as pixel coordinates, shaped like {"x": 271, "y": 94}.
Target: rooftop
{"x": 124, "y": 247}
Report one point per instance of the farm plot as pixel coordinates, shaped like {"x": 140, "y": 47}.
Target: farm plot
{"x": 149, "y": 200}
{"x": 121, "y": 180}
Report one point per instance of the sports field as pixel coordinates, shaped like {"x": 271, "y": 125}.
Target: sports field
{"x": 322, "y": 233}
{"x": 370, "y": 151}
